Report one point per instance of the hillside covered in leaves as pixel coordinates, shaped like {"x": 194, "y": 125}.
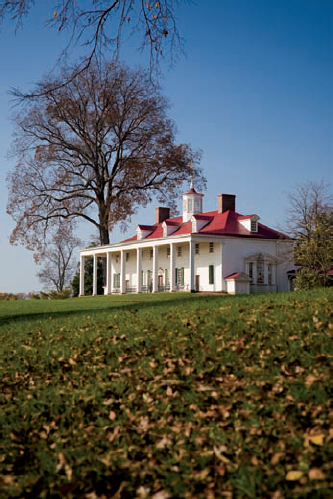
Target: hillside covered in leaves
{"x": 167, "y": 397}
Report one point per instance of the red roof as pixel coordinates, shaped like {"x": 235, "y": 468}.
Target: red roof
{"x": 146, "y": 227}
{"x": 199, "y": 216}
{"x": 245, "y": 217}
{"x": 171, "y": 222}
{"x": 219, "y": 224}
{"x": 192, "y": 191}
{"x": 235, "y": 275}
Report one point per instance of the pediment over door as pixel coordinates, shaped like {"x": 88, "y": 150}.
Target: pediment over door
{"x": 266, "y": 257}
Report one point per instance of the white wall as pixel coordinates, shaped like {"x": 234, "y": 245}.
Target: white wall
{"x": 201, "y": 266}
{"x": 235, "y": 252}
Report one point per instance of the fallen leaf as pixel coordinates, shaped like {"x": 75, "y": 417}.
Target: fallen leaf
{"x": 219, "y": 455}
{"x": 316, "y": 439}
{"x": 169, "y": 391}
{"x": 162, "y": 494}
{"x": 276, "y": 458}
{"x": 316, "y": 474}
{"x": 294, "y": 475}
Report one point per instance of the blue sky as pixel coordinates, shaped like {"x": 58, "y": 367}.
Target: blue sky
{"x": 254, "y": 93}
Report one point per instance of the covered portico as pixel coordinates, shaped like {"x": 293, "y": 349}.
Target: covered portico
{"x": 146, "y": 265}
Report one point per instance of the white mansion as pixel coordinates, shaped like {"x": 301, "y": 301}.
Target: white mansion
{"x": 216, "y": 251}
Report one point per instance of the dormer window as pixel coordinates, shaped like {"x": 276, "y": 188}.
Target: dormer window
{"x": 250, "y": 222}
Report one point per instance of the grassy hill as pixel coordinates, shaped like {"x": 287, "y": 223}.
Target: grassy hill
{"x": 167, "y": 396}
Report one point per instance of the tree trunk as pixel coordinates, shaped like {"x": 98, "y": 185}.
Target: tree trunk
{"x": 104, "y": 236}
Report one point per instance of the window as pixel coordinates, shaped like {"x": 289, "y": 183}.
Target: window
{"x": 269, "y": 273}
{"x": 127, "y": 257}
{"x": 168, "y": 252}
{"x": 179, "y": 251}
{"x": 254, "y": 226}
{"x": 211, "y": 274}
{"x": 251, "y": 271}
{"x": 196, "y": 248}
{"x": 260, "y": 270}
{"x": 179, "y": 276}
{"x": 211, "y": 247}
{"x": 116, "y": 280}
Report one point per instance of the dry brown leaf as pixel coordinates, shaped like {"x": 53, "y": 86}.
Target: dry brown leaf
{"x": 316, "y": 439}
{"x": 162, "y": 494}
{"x": 316, "y": 474}
{"x": 294, "y": 475}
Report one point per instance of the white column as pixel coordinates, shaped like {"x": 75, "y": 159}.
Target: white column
{"x": 172, "y": 267}
{"x": 122, "y": 272}
{"x": 94, "y": 274}
{"x": 155, "y": 269}
{"x": 221, "y": 271}
{"x": 138, "y": 270}
{"x": 81, "y": 275}
{"x": 191, "y": 265}
{"x": 108, "y": 272}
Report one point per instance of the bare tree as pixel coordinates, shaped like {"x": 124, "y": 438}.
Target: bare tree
{"x": 102, "y": 25}
{"x": 306, "y": 202}
{"x": 95, "y": 149}
{"x": 56, "y": 260}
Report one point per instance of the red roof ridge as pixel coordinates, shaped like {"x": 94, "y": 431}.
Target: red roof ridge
{"x": 202, "y": 216}
{"x": 237, "y": 274}
{"x": 147, "y": 227}
{"x": 171, "y": 222}
{"x": 244, "y": 217}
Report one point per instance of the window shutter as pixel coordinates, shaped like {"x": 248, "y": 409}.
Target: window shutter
{"x": 182, "y": 277}
{"x": 176, "y": 275}
{"x": 211, "y": 274}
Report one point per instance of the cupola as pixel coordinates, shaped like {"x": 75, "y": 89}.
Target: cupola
{"x": 192, "y": 203}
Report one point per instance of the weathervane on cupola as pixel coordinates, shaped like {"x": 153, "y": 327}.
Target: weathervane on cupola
{"x": 192, "y": 200}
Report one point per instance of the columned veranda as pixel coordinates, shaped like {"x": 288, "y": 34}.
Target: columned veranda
{"x": 153, "y": 279}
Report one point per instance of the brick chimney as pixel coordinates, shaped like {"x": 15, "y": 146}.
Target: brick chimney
{"x": 226, "y": 202}
{"x": 162, "y": 214}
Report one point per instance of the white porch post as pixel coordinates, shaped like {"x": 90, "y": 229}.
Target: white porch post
{"x": 138, "y": 269}
{"x": 122, "y": 272}
{"x": 108, "y": 272}
{"x": 172, "y": 267}
{"x": 191, "y": 265}
{"x": 155, "y": 269}
{"x": 94, "y": 274}
{"x": 81, "y": 275}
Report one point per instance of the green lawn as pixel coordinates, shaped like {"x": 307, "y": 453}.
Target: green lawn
{"x": 167, "y": 396}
